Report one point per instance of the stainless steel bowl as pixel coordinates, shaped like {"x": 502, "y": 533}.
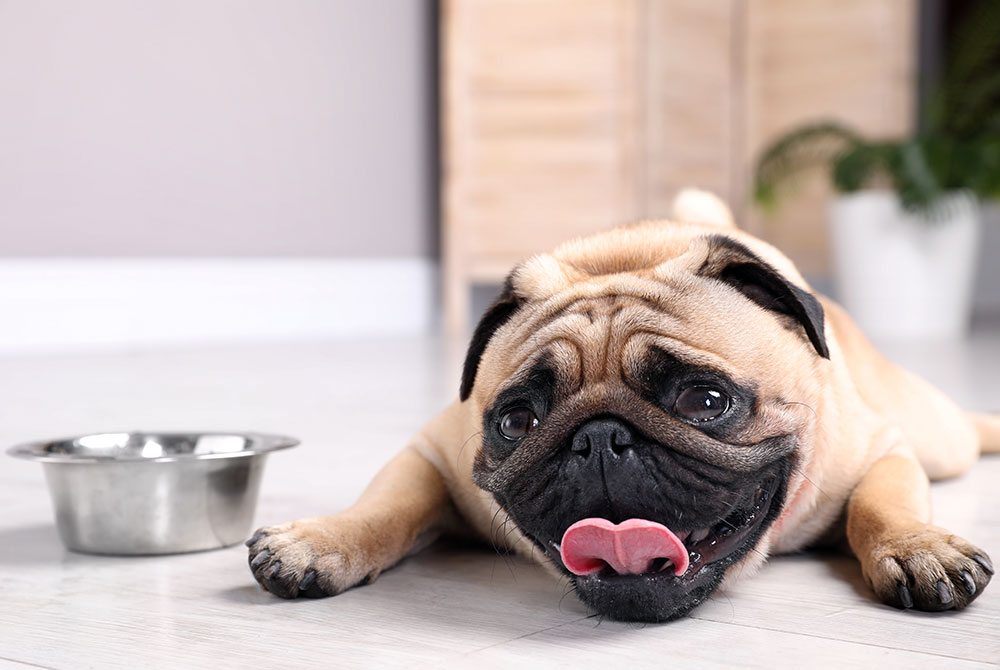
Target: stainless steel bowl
{"x": 153, "y": 493}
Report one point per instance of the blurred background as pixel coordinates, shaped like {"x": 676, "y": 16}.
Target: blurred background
{"x": 177, "y": 173}
{"x": 285, "y": 216}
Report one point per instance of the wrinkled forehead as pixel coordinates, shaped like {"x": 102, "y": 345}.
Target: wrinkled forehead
{"x": 606, "y": 332}
{"x": 657, "y": 251}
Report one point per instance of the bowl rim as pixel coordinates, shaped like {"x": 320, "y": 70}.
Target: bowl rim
{"x": 263, "y": 443}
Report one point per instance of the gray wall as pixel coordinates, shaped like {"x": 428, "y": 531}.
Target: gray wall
{"x": 216, "y": 128}
{"x": 987, "y": 298}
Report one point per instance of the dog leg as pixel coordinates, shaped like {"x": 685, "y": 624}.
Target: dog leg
{"x": 907, "y": 561}
{"x": 988, "y": 428}
{"x": 323, "y": 556}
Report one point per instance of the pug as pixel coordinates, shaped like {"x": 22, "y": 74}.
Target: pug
{"x": 651, "y": 412}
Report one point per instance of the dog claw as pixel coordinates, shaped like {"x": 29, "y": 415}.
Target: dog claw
{"x": 273, "y": 569}
{"x": 984, "y": 563}
{"x": 944, "y": 593}
{"x": 260, "y": 559}
{"x": 905, "y": 598}
{"x": 307, "y": 580}
{"x": 254, "y": 540}
{"x": 970, "y": 584}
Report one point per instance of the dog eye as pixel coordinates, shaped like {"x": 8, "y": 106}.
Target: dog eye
{"x": 701, "y": 403}
{"x": 517, "y": 423}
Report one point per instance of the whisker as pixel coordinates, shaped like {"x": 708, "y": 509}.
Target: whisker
{"x": 568, "y": 589}
{"x": 508, "y": 561}
{"x": 459, "y": 457}
{"x": 493, "y": 530}
{"x": 732, "y": 607}
{"x": 808, "y": 407}
{"x": 806, "y": 477}
{"x": 512, "y": 529}
{"x": 495, "y": 541}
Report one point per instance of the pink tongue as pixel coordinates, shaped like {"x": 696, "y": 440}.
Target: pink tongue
{"x": 629, "y": 548}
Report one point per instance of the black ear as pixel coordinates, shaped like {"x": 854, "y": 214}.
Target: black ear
{"x": 734, "y": 264}
{"x": 498, "y": 314}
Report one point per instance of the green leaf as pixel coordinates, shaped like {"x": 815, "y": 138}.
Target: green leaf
{"x": 975, "y": 43}
{"x": 810, "y": 146}
{"x": 958, "y": 149}
{"x": 916, "y": 182}
{"x": 861, "y": 165}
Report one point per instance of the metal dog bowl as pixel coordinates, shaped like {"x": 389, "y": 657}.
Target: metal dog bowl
{"x": 153, "y": 493}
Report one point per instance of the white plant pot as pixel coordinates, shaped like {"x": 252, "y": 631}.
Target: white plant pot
{"x": 901, "y": 276}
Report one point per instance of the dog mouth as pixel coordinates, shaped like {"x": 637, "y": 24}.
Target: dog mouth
{"x": 633, "y": 578}
{"x": 703, "y": 546}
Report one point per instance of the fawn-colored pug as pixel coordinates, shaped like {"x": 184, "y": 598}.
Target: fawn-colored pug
{"x": 653, "y": 409}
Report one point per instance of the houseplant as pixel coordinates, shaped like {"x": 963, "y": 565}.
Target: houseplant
{"x": 905, "y": 224}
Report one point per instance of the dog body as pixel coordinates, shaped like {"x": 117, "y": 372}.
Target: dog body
{"x": 653, "y": 410}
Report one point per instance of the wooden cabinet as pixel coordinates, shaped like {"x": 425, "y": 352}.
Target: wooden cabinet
{"x": 564, "y": 117}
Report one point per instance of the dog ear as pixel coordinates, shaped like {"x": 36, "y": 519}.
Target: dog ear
{"x": 498, "y": 314}
{"x": 733, "y": 263}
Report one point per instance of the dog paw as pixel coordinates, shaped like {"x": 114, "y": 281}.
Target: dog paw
{"x": 928, "y": 568}
{"x": 313, "y": 558}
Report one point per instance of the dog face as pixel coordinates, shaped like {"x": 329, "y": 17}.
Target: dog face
{"x": 653, "y": 375}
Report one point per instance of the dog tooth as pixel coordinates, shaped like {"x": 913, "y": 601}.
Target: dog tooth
{"x": 699, "y": 535}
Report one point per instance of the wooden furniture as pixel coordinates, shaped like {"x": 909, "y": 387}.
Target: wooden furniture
{"x": 564, "y": 117}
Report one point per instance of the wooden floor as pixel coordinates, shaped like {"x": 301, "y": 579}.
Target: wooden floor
{"x": 353, "y": 405}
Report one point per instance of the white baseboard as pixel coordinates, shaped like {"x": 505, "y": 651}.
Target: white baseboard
{"x": 72, "y": 304}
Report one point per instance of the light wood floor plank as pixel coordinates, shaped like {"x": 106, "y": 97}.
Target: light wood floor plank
{"x": 456, "y": 605}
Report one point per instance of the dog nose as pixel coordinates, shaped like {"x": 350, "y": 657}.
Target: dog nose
{"x": 608, "y": 435}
